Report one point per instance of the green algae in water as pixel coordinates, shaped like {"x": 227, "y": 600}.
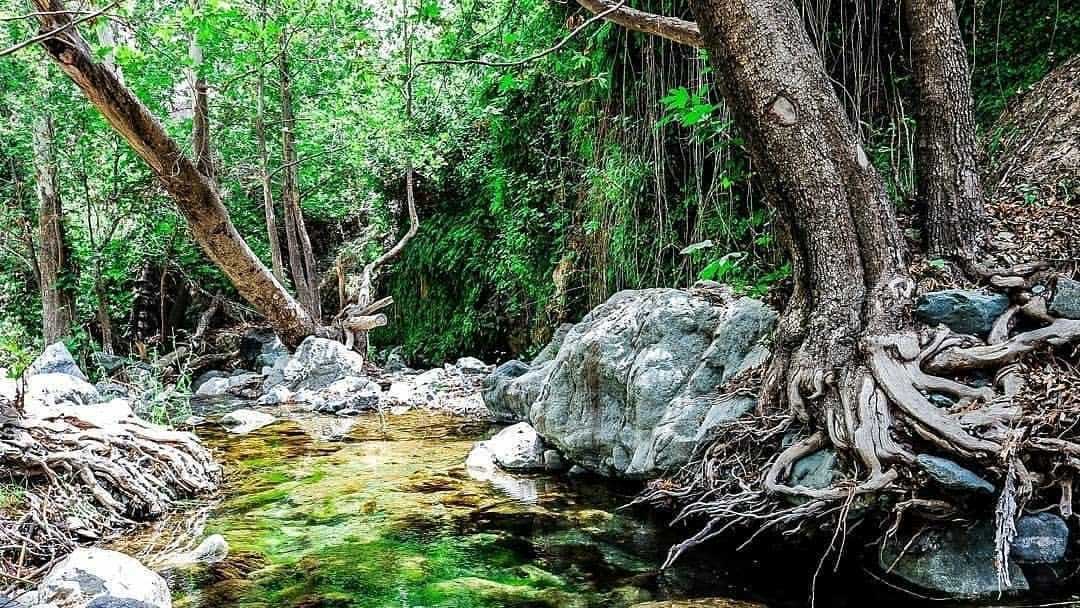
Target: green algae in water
{"x": 393, "y": 520}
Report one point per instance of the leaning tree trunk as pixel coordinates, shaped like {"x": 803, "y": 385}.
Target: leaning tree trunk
{"x": 53, "y": 257}
{"x": 195, "y": 195}
{"x": 301, "y": 257}
{"x": 946, "y": 149}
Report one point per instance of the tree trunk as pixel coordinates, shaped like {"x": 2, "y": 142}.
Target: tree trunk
{"x": 264, "y": 171}
{"x": 946, "y": 149}
{"x": 851, "y": 282}
{"x": 53, "y": 258}
{"x": 194, "y": 194}
{"x": 301, "y": 257}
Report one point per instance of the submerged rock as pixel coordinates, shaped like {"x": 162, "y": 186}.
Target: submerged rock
{"x": 518, "y": 448}
{"x": 1066, "y": 301}
{"x": 244, "y": 421}
{"x": 964, "y": 311}
{"x": 100, "y": 578}
{"x": 957, "y": 561}
{"x": 213, "y": 549}
{"x": 55, "y": 359}
{"x": 634, "y": 387}
{"x": 1040, "y": 539}
{"x": 952, "y": 476}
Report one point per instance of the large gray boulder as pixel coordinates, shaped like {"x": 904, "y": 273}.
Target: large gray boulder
{"x": 90, "y": 576}
{"x": 319, "y": 362}
{"x": 957, "y": 561}
{"x": 634, "y": 388}
{"x": 961, "y": 310}
{"x": 55, "y": 359}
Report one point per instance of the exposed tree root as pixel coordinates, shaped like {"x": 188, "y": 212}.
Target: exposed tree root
{"x": 877, "y": 412}
{"x": 83, "y": 481}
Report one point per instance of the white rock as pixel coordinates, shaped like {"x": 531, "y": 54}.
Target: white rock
{"x": 480, "y": 459}
{"x": 101, "y": 415}
{"x": 400, "y": 392}
{"x": 481, "y": 465}
{"x": 398, "y": 410}
{"x": 244, "y": 421}
{"x": 430, "y": 377}
{"x": 216, "y": 387}
{"x": 58, "y": 389}
{"x": 276, "y": 396}
{"x": 87, "y": 574}
{"x": 518, "y": 448}
{"x": 473, "y": 365}
{"x": 319, "y": 362}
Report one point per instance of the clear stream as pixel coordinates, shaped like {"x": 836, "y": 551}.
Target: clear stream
{"x": 389, "y": 517}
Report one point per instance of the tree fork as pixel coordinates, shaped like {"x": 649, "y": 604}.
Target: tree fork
{"x": 194, "y": 194}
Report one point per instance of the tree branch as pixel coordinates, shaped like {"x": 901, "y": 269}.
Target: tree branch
{"x": 672, "y": 28}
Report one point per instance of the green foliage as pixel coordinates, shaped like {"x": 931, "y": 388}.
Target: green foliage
{"x": 17, "y": 348}
{"x": 543, "y": 188}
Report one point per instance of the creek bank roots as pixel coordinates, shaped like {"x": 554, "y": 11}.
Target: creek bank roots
{"x": 998, "y": 405}
{"x": 74, "y": 481}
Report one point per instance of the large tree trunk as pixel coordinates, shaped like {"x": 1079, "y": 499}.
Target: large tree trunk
{"x": 846, "y": 248}
{"x": 193, "y": 192}
{"x": 53, "y": 258}
{"x": 301, "y": 257}
{"x": 946, "y": 149}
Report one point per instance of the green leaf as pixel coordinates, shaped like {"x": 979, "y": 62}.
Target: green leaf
{"x": 697, "y": 114}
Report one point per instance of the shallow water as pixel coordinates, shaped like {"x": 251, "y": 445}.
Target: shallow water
{"x": 390, "y": 518}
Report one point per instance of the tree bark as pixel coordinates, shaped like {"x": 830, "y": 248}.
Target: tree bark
{"x": 53, "y": 257}
{"x": 947, "y": 152}
{"x": 193, "y": 192}
{"x": 835, "y": 218}
{"x": 301, "y": 257}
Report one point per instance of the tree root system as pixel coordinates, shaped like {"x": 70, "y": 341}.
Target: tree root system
{"x": 71, "y": 481}
{"x": 1005, "y": 407}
